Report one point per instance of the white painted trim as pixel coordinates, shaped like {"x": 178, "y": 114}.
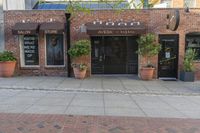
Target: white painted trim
{"x": 195, "y": 4}
{"x": 22, "y": 60}
{"x": 54, "y": 66}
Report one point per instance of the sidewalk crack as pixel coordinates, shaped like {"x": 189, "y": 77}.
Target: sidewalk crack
{"x": 138, "y": 106}
{"x": 70, "y": 103}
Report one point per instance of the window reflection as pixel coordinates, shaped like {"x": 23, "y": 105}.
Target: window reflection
{"x": 54, "y": 49}
{"x": 193, "y": 41}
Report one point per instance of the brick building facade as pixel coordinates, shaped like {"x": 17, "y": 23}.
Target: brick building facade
{"x": 181, "y": 3}
{"x": 154, "y": 20}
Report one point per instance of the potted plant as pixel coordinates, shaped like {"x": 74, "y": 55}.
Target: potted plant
{"x": 147, "y": 48}
{"x": 7, "y": 64}
{"x": 79, "y": 70}
{"x": 79, "y": 49}
{"x": 188, "y": 66}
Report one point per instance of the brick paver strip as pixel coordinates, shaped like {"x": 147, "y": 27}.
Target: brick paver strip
{"x": 35, "y": 123}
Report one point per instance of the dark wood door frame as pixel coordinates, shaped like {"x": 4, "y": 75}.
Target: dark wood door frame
{"x": 130, "y": 67}
{"x": 167, "y": 36}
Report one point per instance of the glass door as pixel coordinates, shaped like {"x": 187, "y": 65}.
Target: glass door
{"x": 168, "y": 57}
{"x": 97, "y": 57}
{"x": 114, "y": 55}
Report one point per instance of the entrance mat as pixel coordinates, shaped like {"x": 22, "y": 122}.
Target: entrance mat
{"x": 168, "y": 79}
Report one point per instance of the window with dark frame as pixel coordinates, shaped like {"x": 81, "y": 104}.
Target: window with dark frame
{"x": 30, "y": 54}
{"x": 193, "y": 41}
{"x": 54, "y": 50}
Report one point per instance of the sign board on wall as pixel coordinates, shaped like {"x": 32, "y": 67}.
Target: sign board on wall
{"x": 31, "y": 56}
{"x": 115, "y": 32}
{"x": 173, "y": 20}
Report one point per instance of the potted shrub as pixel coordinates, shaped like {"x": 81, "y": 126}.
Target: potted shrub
{"x": 188, "y": 66}
{"x": 77, "y": 51}
{"x": 7, "y": 64}
{"x": 79, "y": 70}
{"x": 147, "y": 48}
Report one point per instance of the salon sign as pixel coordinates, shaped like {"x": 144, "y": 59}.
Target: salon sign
{"x": 24, "y": 32}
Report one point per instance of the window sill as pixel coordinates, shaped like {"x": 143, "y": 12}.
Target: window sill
{"x": 30, "y": 67}
{"x": 55, "y": 67}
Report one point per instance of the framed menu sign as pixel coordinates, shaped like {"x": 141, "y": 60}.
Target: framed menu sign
{"x": 31, "y": 56}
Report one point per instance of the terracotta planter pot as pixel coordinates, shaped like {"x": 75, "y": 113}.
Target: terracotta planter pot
{"x": 7, "y": 68}
{"x": 79, "y": 74}
{"x": 146, "y": 73}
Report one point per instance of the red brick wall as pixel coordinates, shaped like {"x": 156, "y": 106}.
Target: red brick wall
{"x": 154, "y": 19}
{"x": 188, "y": 23}
{"x": 105, "y": 15}
{"x": 12, "y": 42}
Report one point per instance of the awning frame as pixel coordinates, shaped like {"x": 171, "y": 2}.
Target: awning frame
{"x": 25, "y": 28}
{"x": 52, "y": 27}
{"x": 115, "y": 28}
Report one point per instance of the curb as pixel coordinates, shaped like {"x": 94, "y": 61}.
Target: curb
{"x": 98, "y": 91}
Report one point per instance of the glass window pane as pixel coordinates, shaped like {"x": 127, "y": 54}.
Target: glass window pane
{"x": 54, "y": 49}
{"x": 30, "y": 50}
{"x": 190, "y": 3}
{"x": 193, "y": 41}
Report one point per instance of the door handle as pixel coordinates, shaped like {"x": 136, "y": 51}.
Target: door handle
{"x": 100, "y": 58}
{"x": 104, "y": 56}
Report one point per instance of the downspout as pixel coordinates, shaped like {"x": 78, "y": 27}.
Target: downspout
{"x": 67, "y": 31}
{"x": 2, "y": 46}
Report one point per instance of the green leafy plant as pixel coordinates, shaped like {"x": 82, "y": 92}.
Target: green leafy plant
{"x": 81, "y": 66}
{"x": 80, "y": 48}
{"x": 148, "y": 47}
{"x": 188, "y": 65}
{"x": 7, "y": 56}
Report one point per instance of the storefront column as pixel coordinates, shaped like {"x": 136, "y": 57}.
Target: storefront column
{"x": 1, "y": 26}
{"x": 181, "y": 51}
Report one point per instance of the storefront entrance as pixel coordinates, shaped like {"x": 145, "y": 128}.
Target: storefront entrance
{"x": 114, "y": 55}
{"x": 168, "y": 57}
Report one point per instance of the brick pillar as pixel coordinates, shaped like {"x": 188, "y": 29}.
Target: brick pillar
{"x": 178, "y": 3}
{"x": 181, "y": 50}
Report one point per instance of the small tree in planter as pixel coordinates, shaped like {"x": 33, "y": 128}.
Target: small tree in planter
{"x": 79, "y": 49}
{"x": 147, "y": 48}
{"x": 7, "y": 64}
{"x": 188, "y": 66}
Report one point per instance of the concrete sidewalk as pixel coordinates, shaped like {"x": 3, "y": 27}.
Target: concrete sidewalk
{"x": 127, "y": 84}
{"x": 101, "y": 104}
